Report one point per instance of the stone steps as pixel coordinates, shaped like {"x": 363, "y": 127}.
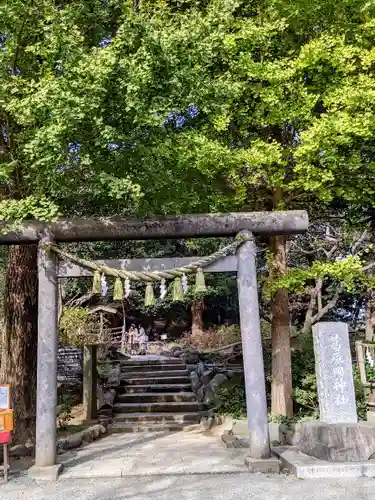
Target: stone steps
{"x": 141, "y": 380}
{"x": 154, "y": 374}
{"x": 146, "y": 362}
{"x": 151, "y": 397}
{"x": 126, "y": 369}
{"x": 154, "y": 396}
{"x": 154, "y": 388}
{"x": 151, "y": 427}
{"x": 156, "y": 417}
{"x": 188, "y": 406}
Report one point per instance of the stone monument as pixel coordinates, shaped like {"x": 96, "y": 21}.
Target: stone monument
{"x": 337, "y": 445}
{"x": 334, "y": 374}
{"x": 337, "y": 436}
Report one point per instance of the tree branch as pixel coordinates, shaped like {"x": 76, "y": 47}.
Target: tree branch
{"x": 368, "y": 267}
{"x": 362, "y": 237}
{"x": 330, "y": 304}
{"x": 310, "y": 310}
{"x": 332, "y": 251}
{"x": 310, "y": 318}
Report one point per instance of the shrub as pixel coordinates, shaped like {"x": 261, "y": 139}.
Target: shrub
{"x": 216, "y": 337}
{"x": 77, "y": 327}
{"x": 370, "y": 372}
{"x": 360, "y": 395}
{"x": 305, "y": 393}
{"x": 232, "y": 399}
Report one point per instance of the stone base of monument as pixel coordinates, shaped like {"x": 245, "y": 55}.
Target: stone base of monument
{"x": 329, "y": 450}
{"x": 305, "y": 466}
{"x": 315, "y": 449}
{"x": 338, "y": 442}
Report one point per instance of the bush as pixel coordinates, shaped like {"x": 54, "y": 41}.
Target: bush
{"x": 64, "y": 416}
{"x": 360, "y": 395}
{"x": 232, "y": 399}
{"x": 370, "y": 372}
{"x": 305, "y": 394}
{"x": 217, "y": 337}
{"x": 77, "y": 327}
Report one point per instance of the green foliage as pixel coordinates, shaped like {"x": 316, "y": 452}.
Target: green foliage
{"x": 360, "y": 395}
{"x": 31, "y": 207}
{"x": 173, "y": 107}
{"x": 281, "y": 109}
{"x": 85, "y": 90}
{"x": 369, "y": 349}
{"x": 306, "y": 397}
{"x": 232, "y": 400}
{"x": 94, "y": 93}
{"x": 77, "y": 327}
{"x": 218, "y": 336}
{"x": 227, "y": 334}
{"x": 370, "y": 372}
{"x": 348, "y": 271}
{"x": 41, "y": 209}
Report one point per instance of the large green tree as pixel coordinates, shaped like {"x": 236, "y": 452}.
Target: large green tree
{"x": 34, "y": 41}
{"x": 154, "y": 107}
{"x": 81, "y": 132}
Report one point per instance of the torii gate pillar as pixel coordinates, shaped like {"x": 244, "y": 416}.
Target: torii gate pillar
{"x": 46, "y": 399}
{"x": 252, "y": 350}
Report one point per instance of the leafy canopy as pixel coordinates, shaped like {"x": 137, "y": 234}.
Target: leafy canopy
{"x": 139, "y": 107}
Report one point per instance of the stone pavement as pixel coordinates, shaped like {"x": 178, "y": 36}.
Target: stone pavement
{"x": 163, "y": 453}
{"x": 241, "y": 486}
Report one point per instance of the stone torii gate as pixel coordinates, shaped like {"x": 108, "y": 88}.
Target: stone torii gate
{"x": 184, "y": 226}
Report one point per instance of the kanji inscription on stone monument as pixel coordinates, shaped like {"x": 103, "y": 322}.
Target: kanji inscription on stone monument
{"x": 333, "y": 366}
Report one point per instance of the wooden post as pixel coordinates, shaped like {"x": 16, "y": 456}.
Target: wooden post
{"x": 90, "y": 404}
{"x": 6, "y": 462}
{"x": 361, "y": 362}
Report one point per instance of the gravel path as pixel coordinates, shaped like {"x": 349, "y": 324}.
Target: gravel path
{"x": 238, "y": 486}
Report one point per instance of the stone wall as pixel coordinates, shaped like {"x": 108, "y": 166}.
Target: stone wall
{"x": 206, "y": 379}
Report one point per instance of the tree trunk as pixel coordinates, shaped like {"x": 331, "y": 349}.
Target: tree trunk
{"x": 370, "y": 317}
{"x": 281, "y": 386}
{"x": 19, "y": 355}
{"x": 197, "y": 309}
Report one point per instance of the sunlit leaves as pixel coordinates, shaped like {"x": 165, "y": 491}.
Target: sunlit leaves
{"x": 348, "y": 271}
{"x": 284, "y": 97}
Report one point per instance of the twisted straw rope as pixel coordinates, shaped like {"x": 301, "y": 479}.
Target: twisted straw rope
{"x": 148, "y": 276}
